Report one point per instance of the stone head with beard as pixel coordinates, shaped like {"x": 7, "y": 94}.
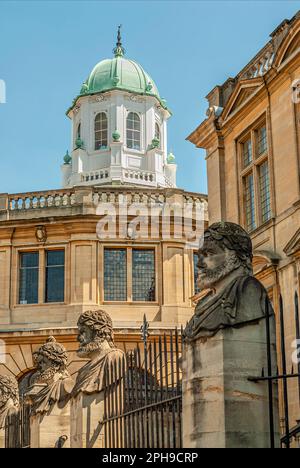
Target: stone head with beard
{"x": 51, "y": 362}
{"x": 51, "y": 382}
{"x": 9, "y": 397}
{"x": 96, "y": 343}
{"x": 226, "y": 248}
{"x": 95, "y": 332}
{"x": 230, "y": 295}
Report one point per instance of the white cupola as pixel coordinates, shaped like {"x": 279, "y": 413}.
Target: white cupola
{"x": 119, "y": 129}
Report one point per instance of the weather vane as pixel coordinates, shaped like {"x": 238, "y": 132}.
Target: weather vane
{"x": 119, "y": 50}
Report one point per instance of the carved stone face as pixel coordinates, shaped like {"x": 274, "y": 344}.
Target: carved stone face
{"x": 8, "y": 391}
{"x": 215, "y": 263}
{"x": 43, "y": 363}
{"x": 85, "y": 335}
{"x": 87, "y": 340}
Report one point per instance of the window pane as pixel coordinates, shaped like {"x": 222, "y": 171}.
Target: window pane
{"x": 133, "y": 131}
{"x": 29, "y": 278}
{"x": 157, "y": 131}
{"x": 261, "y": 140}
{"x": 143, "y": 275}
{"x": 250, "y": 202}
{"x": 247, "y": 153}
{"x": 55, "y": 276}
{"x": 101, "y": 126}
{"x": 115, "y": 275}
{"x": 264, "y": 184}
{"x": 196, "y": 271}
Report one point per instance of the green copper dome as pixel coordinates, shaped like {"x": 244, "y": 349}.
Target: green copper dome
{"x": 119, "y": 73}
{"x": 122, "y": 74}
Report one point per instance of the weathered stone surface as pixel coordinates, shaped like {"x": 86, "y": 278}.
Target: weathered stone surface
{"x": 221, "y": 408}
{"x": 9, "y": 397}
{"x": 225, "y": 344}
{"x": 47, "y": 429}
{"x": 86, "y": 415}
{"x": 87, "y": 405}
{"x": 9, "y": 402}
{"x": 234, "y": 296}
{"x": 97, "y": 344}
{"x": 50, "y": 383}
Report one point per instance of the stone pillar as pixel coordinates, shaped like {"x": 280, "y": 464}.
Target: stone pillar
{"x": 221, "y": 407}
{"x": 2, "y": 438}
{"x": 86, "y": 415}
{"x": 47, "y": 430}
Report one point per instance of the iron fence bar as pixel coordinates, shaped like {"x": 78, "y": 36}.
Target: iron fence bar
{"x": 270, "y": 383}
{"x": 167, "y": 389}
{"x": 123, "y": 397}
{"x": 133, "y": 419}
{"x": 283, "y": 361}
{"x": 179, "y": 387}
{"x": 151, "y": 393}
{"x": 161, "y": 393}
{"x": 109, "y": 406}
{"x": 297, "y": 322}
{"x": 136, "y": 393}
{"x": 153, "y": 405}
{"x": 156, "y": 393}
{"x": 140, "y": 381}
{"x": 128, "y": 371}
{"x": 145, "y": 415}
{"x": 173, "y": 388}
{"x": 273, "y": 377}
{"x": 116, "y": 401}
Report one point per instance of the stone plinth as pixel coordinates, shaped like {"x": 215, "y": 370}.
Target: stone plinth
{"x": 2, "y": 438}
{"x": 86, "y": 415}
{"x": 221, "y": 407}
{"x": 46, "y": 429}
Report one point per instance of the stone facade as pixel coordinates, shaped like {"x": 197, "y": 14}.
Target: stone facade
{"x": 252, "y": 124}
{"x": 67, "y": 219}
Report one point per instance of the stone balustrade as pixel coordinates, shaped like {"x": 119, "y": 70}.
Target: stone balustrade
{"x": 100, "y": 176}
{"x": 79, "y": 199}
{"x": 140, "y": 177}
{"x": 31, "y": 201}
{"x": 259, "y": 65}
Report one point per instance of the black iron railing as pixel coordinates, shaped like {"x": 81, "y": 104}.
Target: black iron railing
{"x": 17, "y": 428}
{"x": 143, "y": 396}
{"x": 282, "y": 377}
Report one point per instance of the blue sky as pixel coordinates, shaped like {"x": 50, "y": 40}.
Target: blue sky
{"x": 47, "y": 49}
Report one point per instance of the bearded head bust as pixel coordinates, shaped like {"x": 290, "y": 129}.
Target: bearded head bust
{"x": 51, "y": 382}
{"x": 230, "y": 295}
{"x": 96, "y": 343}
{"x": 95, "y": 333}
{"x": 225, "y": 251}
{"x": 9, "y": 397}
{"x": 51, "y": 361}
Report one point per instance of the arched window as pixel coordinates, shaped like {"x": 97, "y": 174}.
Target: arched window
{"x": 133, "y": 131}
{"x": 78, "y": 134}
{"x": 157, "y": 133}
{"x": 101, "y": 131}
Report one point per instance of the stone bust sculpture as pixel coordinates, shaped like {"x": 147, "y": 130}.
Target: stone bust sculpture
{"x": 234, "y": 297}
{"x": 50, "y": 383}
{"x": 9, "y": 397}
{"x": 96, "y": 340}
